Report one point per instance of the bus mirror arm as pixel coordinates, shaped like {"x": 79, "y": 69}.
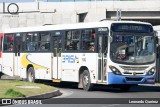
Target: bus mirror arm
{"x": 157, "y": 46}
{"x": 157, "y": 40}
{"x": 158, "y": 51}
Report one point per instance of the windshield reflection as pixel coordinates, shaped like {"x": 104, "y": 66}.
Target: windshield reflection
{"x": 132, "y": 48}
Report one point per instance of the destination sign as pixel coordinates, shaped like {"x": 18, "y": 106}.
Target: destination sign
{"x": 129, "y": 27}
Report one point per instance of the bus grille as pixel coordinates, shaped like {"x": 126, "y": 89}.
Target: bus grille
{"x": 128, "y": 68}
{"x": 133, "y": 79}
{"x": 136, "y": 73}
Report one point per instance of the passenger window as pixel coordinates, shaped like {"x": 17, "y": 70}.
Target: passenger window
{"x": 1, "y": 38}
{"x": 31, "y": 41}
{"x": 44, "y": 41}
{"x": 8, "y": 42}
{"x": 24, "y": 45}
{"x": 72, "y": 40}
{"x": 88, "y": 39}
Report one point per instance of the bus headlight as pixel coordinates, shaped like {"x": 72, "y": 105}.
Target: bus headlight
{"x": 115, "y": 70}
{"x": 151, "y": 71}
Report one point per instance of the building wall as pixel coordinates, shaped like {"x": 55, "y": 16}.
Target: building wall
{"x": 40, "y": 13}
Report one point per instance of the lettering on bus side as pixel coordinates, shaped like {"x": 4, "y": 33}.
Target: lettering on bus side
{"x": 70, "y": 59}
{"x": 102, "y": 29}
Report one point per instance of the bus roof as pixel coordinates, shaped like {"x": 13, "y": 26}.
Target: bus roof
{"x": 69, "y": 26}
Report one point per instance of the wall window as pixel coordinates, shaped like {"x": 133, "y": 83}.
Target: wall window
{"x": 8, "y": 42}
{"x": 88, "y": 39}
{"x": 72, "y": 40}
{"x": 44, "y": 41}
{"x": 81, "y": 17}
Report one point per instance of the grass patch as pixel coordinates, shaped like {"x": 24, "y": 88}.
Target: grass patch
{"x": 13, "y": 93}
{"x": 11, "y": 89}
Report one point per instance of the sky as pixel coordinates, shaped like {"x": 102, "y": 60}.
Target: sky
{"x": 15, "y": 1}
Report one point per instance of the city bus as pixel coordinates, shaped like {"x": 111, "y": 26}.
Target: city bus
{"x": 1, "y": 35}
{"x": 114, "y": 53}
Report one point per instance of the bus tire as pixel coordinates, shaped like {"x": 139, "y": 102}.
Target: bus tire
{"x": 86, "y": 81}
{"x": 30, "y": 74}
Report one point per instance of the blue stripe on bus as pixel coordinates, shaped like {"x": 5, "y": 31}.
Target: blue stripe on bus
{"x": 121, "y": 79}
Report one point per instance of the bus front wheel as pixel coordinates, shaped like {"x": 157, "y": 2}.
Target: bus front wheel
{"x": 31, "y": 75}
{"x": 86, "y": 81}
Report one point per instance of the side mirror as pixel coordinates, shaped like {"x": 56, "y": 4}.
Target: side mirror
{"x": 156, "y": 37}
{"x": 111, "y": 39}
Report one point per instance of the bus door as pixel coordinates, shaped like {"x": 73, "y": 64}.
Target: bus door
{"x": 56, "y": 61}
{"x": 102, "y": 54}
{"x": 17, "y": 47}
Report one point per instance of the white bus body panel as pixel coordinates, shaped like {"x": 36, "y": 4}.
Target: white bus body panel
{"x": 8, "y": 62}
{"x": 72, "y": 62}
{"x": 41, "y": 63}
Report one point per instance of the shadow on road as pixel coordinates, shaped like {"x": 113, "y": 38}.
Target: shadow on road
{"x": 138, "y": 88}
{"x": 105, "y": 88}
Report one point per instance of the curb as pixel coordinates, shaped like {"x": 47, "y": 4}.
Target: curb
{"x": 46, "y": 95}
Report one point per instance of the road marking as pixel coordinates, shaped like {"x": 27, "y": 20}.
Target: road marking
{"x": 111, "y": 105}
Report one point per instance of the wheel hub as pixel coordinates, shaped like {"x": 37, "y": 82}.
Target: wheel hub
{"x": 30, "y": 77}
{"x": 85, "y": 79}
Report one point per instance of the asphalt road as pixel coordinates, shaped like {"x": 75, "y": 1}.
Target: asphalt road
{"x": 74, "y": 95}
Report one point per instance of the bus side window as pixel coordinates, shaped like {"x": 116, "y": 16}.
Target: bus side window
{"x": 1, "y": 38}
{"x": 24, "y": 42}
{"x": 72, "y": 40}
{"x": 88, "y": 40}
{"x": 31, "y": 41}
{"x": 44, "y": 41}
{"x": 8, "y": 42}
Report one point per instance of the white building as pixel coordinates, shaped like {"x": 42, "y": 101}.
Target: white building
{"x": 40, "y": 13}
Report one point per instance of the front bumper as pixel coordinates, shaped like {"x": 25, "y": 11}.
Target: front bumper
{"x": 123, "y": 79}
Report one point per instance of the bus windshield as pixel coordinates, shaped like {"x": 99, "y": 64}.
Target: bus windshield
{"x": 132, "y": 48}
